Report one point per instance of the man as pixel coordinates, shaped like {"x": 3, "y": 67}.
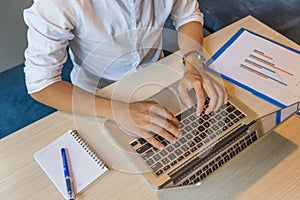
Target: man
{"x": 112, "y": 26}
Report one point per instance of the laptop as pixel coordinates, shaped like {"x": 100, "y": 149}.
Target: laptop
{"x": 208, "y": 141}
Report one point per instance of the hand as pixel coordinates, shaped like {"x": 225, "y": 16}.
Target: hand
{"x": 146, "y": 118}
{"x": 201, "y": 82}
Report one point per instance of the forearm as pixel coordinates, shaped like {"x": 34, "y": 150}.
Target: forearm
{"x": 68, "y": 98}
{"x": 190, "y": 37}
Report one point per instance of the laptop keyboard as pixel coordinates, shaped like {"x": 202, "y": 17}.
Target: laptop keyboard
{"x": 218, "y": 160}
{"x": 196, "y": 132}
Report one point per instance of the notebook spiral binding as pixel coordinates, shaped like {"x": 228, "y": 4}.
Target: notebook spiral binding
{"x": 88, "y": 149}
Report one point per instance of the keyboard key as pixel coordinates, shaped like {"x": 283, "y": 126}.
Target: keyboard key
{"x": 203, "y": 135}
{"x": 163, "y": 152}
{"x": 134, "y": 143}
{"x": 192, "y": 117}
{"x": 144, "y": 148}
{"x": 218, "y": 117}
{"x": 170, "y": 148}
{"x": 197, "y": 139}
{"x": 184, "y": 147}
{"x": 166, "y": 167}
{"x": 212, "y": 121}
{"x": 199, "y": 172}
{"x": 209, "y": 131}
{"x": 202, "y": 176}
{"x": 211, "y": 163}
{"x": 186, "y": 154}
{"x": 237, "y": 112}
{"x": 206, "y": 140}
{"x": 242, "y": 116}
{"x": 206, "y": 117}
{"x": 226, "y": 158}
{"x": 191, "y": 144}
{"x": 208, "y": 172}
{"x": 186, "y": 182}
{"x": 156, "y": 166}
{"x": 189, "y": 136}
{"x": 201, "y": 128}
{"x": 230, "y": 108}
{"x": 180, "y": 158}
{"x": 186, "y": 121}
{"x": 214, "y": 167}
{"x": 173, "y": 163}
{"x": 193, "y": 149}
{"x": 194, "y": 124}
{"x": 220, "y": 163}
{"x": 182, "y": 140}
{"x": 176, "y": 144}
{"x": 192, "y": 177}
{"x": 156, "y": 157}
{"x": 200, "y": 145}
{"x": 178, "y": 152}
{"x": 206, "y": 124}
{"x": 150, "y": 161}
{"x": 147, "y": 154}
{"x": 160, "y": 172}
{"x": 165, "y": 161}
{"x": 188, "y": 128}
{"x": 232, "y": 154}
{"x": 142, "y": 141}
{"x": 172, "y": 156}
{"x": 195, "y": 132}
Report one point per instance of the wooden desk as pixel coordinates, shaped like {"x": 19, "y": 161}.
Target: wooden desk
{"x": 269, "y": 170}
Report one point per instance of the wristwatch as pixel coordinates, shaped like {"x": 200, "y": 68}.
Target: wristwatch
{"x": 196, "y": 53}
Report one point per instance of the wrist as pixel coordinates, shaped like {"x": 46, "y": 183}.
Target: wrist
{"x": 193, "y": 56}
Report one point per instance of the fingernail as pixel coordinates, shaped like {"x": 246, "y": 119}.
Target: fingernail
{"x": 161, "y": 147}
{"x": 179, "y": 134}
{"x": 173, "y": 140}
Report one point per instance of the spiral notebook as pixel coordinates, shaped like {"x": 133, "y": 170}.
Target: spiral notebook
{"x": 86, "y": 166}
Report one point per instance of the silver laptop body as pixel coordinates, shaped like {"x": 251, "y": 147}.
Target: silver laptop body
{"x": 208, "y": 142}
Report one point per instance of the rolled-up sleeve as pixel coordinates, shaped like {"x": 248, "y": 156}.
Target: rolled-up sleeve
{"x": 50, "y": 25}
{"x": 185, "y": 11}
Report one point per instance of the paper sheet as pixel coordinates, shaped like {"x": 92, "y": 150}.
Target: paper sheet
{"x": 262, "y": 65}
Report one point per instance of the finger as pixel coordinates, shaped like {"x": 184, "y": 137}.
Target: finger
{"x": 225, "y": 97}
{"x": 183, "y": 91}
{"x": 164, "y": 114}
{"x": 154, "y": 142}
{"x": 166, "y": 125}
{"x": 200, "y": 97}
{"x": 162, "y": 132}
{"x": 220, "y": 98}
{"x": 212, "y": 94}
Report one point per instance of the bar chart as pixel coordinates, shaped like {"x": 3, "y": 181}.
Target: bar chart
{"x": 262, "y": 65}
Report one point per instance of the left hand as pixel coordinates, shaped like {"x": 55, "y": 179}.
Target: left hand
{"x": 201, "y": 82}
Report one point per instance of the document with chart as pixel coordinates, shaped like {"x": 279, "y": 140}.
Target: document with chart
{"x": 266, "y": 68}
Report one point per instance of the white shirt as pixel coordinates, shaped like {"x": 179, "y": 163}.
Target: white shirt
{"x": 107, "y": 38}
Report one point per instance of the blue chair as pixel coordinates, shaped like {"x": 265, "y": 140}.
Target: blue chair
{"x": 17, "y": 107}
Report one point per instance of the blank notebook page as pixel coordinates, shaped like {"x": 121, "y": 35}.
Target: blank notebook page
{"x": 85, "y": 165}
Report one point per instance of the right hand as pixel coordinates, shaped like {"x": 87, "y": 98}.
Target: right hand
{"x": 146, "y": 118}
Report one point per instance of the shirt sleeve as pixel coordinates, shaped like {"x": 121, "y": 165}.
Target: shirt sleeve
{"x": 50, "y": 25}
{"x": 185, "y": 11}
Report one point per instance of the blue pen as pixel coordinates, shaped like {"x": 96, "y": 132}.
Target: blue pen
{"x": 71, "y": 195}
